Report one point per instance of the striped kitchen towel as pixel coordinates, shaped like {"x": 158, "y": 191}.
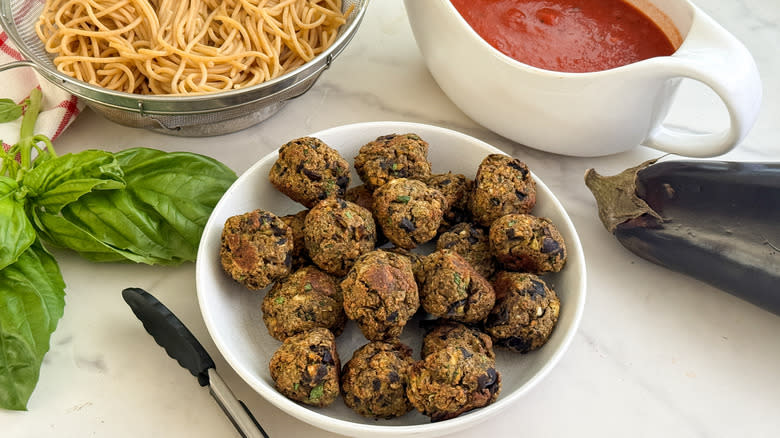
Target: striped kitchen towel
{"x": 58, "y": 110}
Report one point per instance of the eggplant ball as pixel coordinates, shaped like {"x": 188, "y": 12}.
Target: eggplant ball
{"x": 306, "y": 299}
{"x": 380, "y": 294}
{"x": 523, "y": 242}
{"x": 306, "y": 368}
{"x": 308, "y": 171}
{"x": 295, "y": 222}
{"x": 374, "y": 380}
{"x": 408, "y": 211}
{"x": 456, "y": 189}
{"x": 390, "y": 157}
{"x": 336, "y": 233}
{"x": 445, "y": 333}
{"x": 503, "y": 185}
{"x": 525, "y": 313}
{"x": 472, "y": 242}
{"x": 451, "y": 381}
{"x": 453, "y": 289}
{"x": 256, "y": 248}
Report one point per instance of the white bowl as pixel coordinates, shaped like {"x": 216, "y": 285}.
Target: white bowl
{"x": 233, "y": 317}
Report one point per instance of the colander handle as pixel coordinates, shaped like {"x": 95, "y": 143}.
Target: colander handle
{"x": 16, "y": 64}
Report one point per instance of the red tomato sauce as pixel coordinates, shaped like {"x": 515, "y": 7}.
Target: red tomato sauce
{"x": 567, "y": 35}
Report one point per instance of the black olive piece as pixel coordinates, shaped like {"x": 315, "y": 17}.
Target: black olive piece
{"x": 537, "y": 289}
{"x": 488, "y": 379}
{"x": 495, "y": 201}
{"x": 453, "y": 308}
{"x": 342, "y": 182}
{"x": 376, "y": 384}
{"x": 510, "y": 233}
{"x": 393, "y": 377}
{"x": 407, "y": 225}
{"x": 497, "y": 318}
{"x": 517, "y": 165}
{"x": 312, "y": 175}
{"x": 520, "y": 195}
{"x": 393, "y": 316}
{"x": 466, "y": 353}
{"x": 550, "y": 246}
{"x": 515, "y": 343}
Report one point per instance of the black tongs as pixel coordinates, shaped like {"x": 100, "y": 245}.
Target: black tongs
{"x": 180, "y": 344}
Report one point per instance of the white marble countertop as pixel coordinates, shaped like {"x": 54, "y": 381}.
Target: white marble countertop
{"x": 657, "y": 353}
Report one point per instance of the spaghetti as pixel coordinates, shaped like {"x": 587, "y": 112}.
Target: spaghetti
{"x": 185, "y": 47}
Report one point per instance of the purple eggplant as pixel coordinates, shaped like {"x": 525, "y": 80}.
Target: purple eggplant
{"x": 715, "y": 221}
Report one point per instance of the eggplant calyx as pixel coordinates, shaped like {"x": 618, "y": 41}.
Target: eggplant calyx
{"x": 616, "y": 196}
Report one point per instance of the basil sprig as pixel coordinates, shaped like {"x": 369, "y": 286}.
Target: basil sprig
{"x": 140, "y": 205}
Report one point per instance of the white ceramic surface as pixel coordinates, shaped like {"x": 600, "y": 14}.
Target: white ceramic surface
{"x": 232, "y": 312}
{"x": 657, "y": 354}
{"x": 591, "y": 114}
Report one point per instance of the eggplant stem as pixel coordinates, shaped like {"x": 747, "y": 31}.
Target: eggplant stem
{"x": 616, "y": 196}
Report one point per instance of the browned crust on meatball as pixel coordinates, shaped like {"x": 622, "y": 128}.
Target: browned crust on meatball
{"x": 445, "y": 333}
{"x": 306, "y": 299}
{"x": 408, "y": 211}
{"x": 453, "y": 289}
{"x": 380, "y": 294}
{"x": 392, "y": 156}
{"x": 451, "y": 381}
{"x": 256, "y": 248}
{"x": 523, "y": 242}
{"x": 525, "y": 313}
{"x": 336, "y": 233}
{"x": 374, "y": 380}
{"x": 306, "y": 368}
{"x": 503, "y": 185}
{"x": 308, "y": 170}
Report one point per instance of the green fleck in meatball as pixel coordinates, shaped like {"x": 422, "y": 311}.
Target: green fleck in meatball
{"x": 256, "y": 248}
{"x": 336, "y": 233}
{"x": 456, "y": 189}
{"x": 451, "y": 381}
{"x": 453, "y": 289}
{"x": 392, "y": 156}
{"x": 522, "y": 242}
{"x": 374, "y": 381}
{"x": 525, "y": 314}
{"x": 472, "y": 242}
{"x": 295, "y": 222}
{"x": 444, "y": 333}
{"x": 503, "y": 185}
{"x": 380, "y": 294}
{"x": 308, "y": 171}
{"x": 408, "y": 211}
{"x": 306, "y": 299}
{"x": 306, "y": 368}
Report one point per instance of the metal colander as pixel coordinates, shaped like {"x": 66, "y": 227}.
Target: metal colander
{"x": 194, "y": 116}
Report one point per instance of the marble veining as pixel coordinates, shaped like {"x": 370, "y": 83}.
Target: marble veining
{"x": 657, "y": 353}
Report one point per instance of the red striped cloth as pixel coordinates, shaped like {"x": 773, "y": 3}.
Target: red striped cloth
{"x": 58, "y": 109}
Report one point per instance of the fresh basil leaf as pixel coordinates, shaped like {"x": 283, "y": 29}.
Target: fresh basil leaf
{"x": 16, "y": 231}
{"x": 181, "y": 187}
{"x": 9, "y": 110}
{"x": 59, "y": 231}
{"x": 59, "y": 181}
{"x": 118, "y": 219}
{"x": 32, "y": 301}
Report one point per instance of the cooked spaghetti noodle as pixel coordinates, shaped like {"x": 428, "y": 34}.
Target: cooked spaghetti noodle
{"x": 185, "y": 46}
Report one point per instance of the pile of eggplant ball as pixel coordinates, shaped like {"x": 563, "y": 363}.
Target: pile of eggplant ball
{"x": 358, "y": 254}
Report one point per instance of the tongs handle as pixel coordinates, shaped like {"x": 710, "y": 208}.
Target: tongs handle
{"x": 235, "y": 409}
